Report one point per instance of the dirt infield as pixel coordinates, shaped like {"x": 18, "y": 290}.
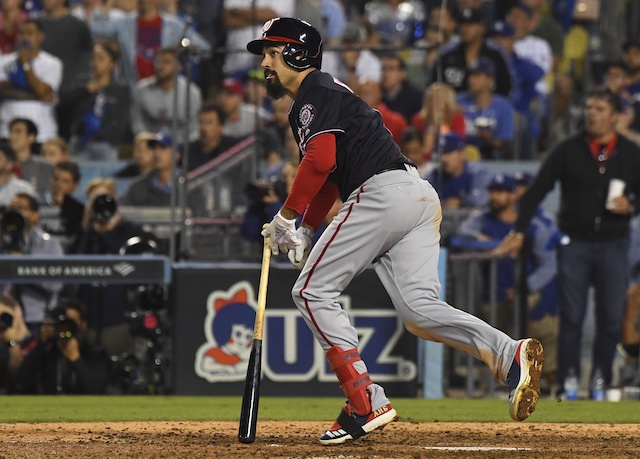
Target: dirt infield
{"x": 279, "y": 440}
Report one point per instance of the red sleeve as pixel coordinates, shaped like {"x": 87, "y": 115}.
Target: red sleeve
{"x": 318, "y": 161}
{"x": 457, "y": 123}
{"x": 321, "y": 204}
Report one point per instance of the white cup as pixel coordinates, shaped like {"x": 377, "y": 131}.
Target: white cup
{"x": 616, "y": 188}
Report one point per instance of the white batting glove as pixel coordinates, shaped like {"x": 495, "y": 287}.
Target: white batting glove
{"x": 298, "y": 256}
{"x": 282, "y": 232}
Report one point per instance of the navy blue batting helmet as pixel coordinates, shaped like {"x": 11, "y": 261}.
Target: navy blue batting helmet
{"x": 303, "y": 43}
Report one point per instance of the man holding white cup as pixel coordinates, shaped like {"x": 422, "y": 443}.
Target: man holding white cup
{"x": 598, "y": 171}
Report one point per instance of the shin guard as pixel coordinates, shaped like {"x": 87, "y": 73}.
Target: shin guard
{"x": 352, "y": 383}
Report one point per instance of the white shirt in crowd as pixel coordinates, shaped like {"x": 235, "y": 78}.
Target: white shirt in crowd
{"x": 47, "y": 68}
{"x": 538, "y": 51}
{"x": 239, "y": 37}
{"x": 368, "y": 66}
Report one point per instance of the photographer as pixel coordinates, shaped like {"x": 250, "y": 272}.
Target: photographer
{"x": 19, "y": 236}
{"x": 15, "y": 342}
{"x": 105, "y": 231}
{"x": 63, "y": 361}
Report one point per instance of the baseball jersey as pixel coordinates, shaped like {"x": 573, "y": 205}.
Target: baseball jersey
{"x": 364, "y": 146}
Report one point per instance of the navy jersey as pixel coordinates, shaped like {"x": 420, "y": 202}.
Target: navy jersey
{"x": 364, "y": 145}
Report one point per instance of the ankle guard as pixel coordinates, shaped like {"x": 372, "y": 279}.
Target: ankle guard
{"x": 352, "y": 383}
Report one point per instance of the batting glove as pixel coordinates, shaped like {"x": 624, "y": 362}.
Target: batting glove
{"x": 282, "y": 232}
{"x": 298, "y": 256}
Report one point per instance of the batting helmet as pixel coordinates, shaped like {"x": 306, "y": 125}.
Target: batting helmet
{"x": 303, "y": 43}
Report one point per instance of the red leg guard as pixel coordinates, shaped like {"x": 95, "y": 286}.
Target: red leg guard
{"x": 352, "y": 383}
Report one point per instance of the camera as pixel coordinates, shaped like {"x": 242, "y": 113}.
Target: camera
{"x": 12, "y": 227}
{"x": 6, "y": 321}
{"x": 65, "y": 328}
{"x": 104, "y": 207}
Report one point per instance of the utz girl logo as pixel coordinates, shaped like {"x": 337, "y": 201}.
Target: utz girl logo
{"x": 307, "y": 114}
{"x": 228, "y": 328}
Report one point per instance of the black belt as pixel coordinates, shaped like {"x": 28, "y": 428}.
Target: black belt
{"x": 394, "y": 167}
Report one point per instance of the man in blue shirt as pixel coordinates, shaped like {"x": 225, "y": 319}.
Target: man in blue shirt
{"x": 489, "y": 117}
{"x": 526, "y": 99}
{"x": 462, "y": 184}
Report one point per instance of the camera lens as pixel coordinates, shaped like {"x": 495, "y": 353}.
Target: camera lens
{"x": 6, "y": 321}
{"x": 104, "y": 207}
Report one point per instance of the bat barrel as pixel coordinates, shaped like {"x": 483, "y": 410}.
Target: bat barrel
{"x": 251, "y": 397}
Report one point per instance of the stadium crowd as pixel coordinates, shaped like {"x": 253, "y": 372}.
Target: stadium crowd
{"x": 158, "y": 89}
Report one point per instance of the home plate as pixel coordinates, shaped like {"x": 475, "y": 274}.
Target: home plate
{"x": 476, "y": 448}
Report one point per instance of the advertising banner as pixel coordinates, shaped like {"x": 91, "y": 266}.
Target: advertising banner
{"x": 214, "y": 314}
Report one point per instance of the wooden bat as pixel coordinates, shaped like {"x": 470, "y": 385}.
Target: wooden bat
{"x": 251, "y": 397}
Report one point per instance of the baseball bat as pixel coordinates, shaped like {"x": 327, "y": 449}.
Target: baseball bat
{"x": 251, "y": 397}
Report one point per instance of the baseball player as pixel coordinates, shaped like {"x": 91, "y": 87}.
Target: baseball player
{"x": 390, "y": 217}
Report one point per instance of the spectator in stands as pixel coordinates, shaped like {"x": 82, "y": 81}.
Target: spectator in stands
{"x": 55, "y": 150}
{"x": 29, "y": 82}
{"x": 484, "y": 230}
{"x": 16, "y": 341}
{"x": 257, "y": 92}
{"x": 212, "y": 141}
{"x": 598, "y": 228}
{"x": 412, "y": 147}
{"x": 243, "y": 23}
{"x": 371, "y": 93}
{"x": 454, "y": 60}
{"x": 351, "y": 65}
{"x": 154, "y": 99}
{"x": 141, "y": 35}
{"x": 242, "y": 119}
{"x": 85, "y": 10}
{"x": 63, "y": 361}
{"x": 439, "y": 114}
{"x": 525, "y": 95}
{"x": 397, "y": 22}
{"x": 397, "y": 93}
{"x": 10, "y": 185}
{"x": 616, "y": 79}
{"x": 545, "y": 26}
{"x": 463, "y": 184}
{"x": 106, "y": 233}
{"x": 69, "y": 39}
{"x": 34, "y": 169}
{"x": 35, "y": 299}
{"x": 142, "y": 157}
{"x": 489, "y": 116}
{"x": 632, "y": 59}
{"x": 280, "y": 120}
{"x": 99, "y": 111}
{"x": 154, "y": 188}
{"x": 528, "y": 46}
{"x": 445, "y": 16}
{"x": 11, "y": 16}
{"x": 64, "y": 183}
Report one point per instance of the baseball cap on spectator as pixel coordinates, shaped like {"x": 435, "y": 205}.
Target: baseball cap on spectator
{"x": 471, "y": 15}
{"x": 502, "y": 182}
{"x": 502, "y": 29}
{"x": 233, "y": 86}
{"x": 483, "y": 65}
{"x": 8, "y": 152}
{"x": 450, "y": 142}
{"x": 354, "y": 33}
{"x": 524, "y": 7}
{"x": 523, "y": 177}
{"x": 631, "y": 43}
{"x": 161, "y": 139}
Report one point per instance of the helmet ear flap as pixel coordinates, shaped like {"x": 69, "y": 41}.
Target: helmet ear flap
{"x": 296, "y": 57}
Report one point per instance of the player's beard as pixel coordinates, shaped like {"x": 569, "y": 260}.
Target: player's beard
{"x": 275, "y": 90}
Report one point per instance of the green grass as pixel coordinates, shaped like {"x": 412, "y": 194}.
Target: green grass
{"x": 176, "y": 408}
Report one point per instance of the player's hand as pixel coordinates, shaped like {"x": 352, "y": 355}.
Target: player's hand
{"x": 298, "y": 256}
{"x": 282, "y": 232}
